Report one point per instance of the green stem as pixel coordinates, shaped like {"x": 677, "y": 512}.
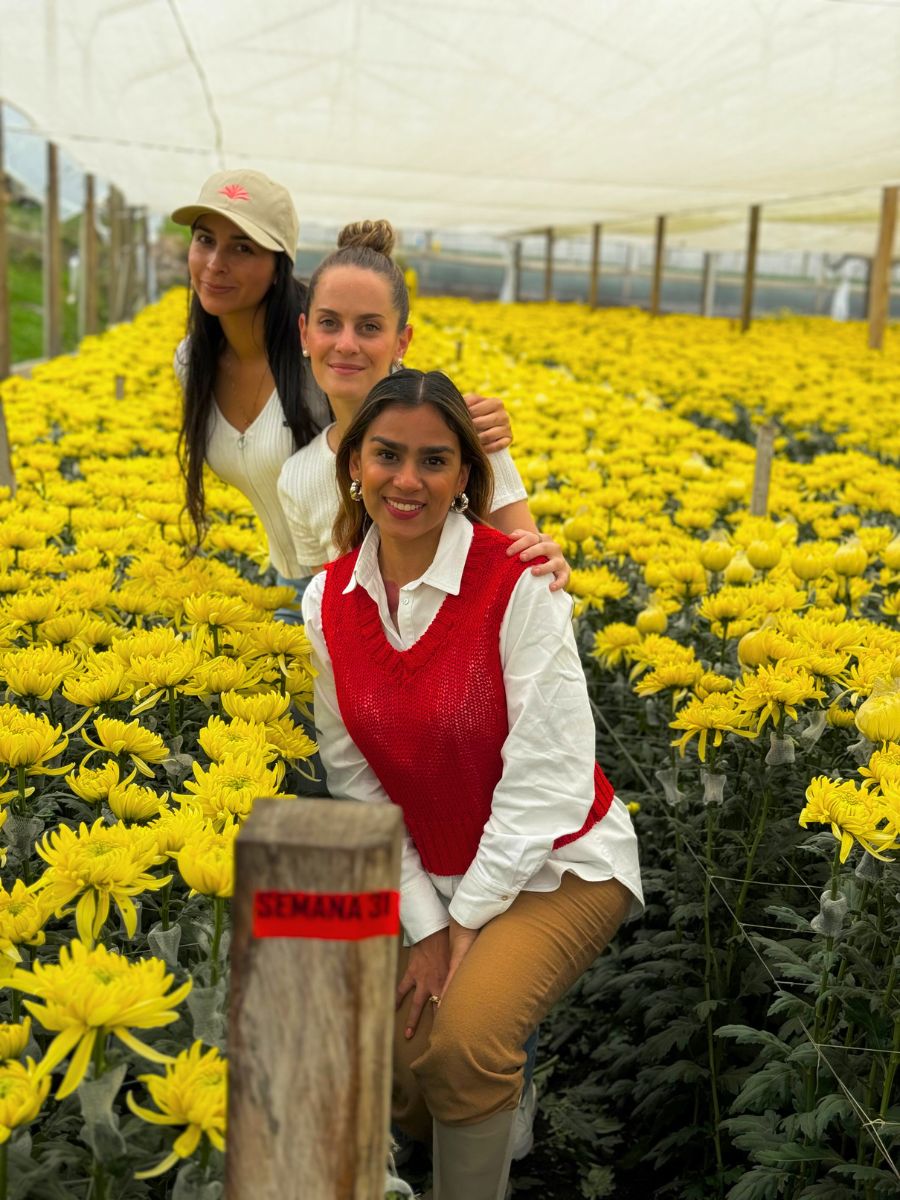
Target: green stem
{"x": 21, "y": 803}
{"x": 164, "y": 905}
{"x": 100, "y": 1185}
{"x": 214, "y": 630}
{"x": 219, "y": 910}
{"x": 173, "y": 713}
{"x": 890, "y": 1072}
{"x": 711, "y": 968}
{"x": 4, "y": 1170}
{"x": 760, "y": 823}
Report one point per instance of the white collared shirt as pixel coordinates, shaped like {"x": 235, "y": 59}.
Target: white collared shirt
{"x": 548, "y": 756}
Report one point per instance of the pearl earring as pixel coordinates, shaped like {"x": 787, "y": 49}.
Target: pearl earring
{"x": 306, "y": 354}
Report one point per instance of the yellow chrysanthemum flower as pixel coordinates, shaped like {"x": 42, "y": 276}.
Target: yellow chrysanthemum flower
{"x": 90, "y": 993}
{"x": 878, "y": 718}
{"x": 229, "y": 788}
{"x": 129, "y": 738}
{"x": 36, "y": 671}
{"x": 101, "y": 679}
{"x": 23, "y": 1090}
{"x": 98, "y": 865}
{"x": 131, "y": 802}
{"x": 612, "y": 643}
{"x": 852, "y": 812}
{"x": 773, "y": 691}
{"x": 192, "y": 1092}
{"x": 93, "y": 784}
{"x": 30, "y": 742}
{"x": 14, "y": 1039}
{"x": 206, "y": 861}
{"x": 23, "y": 915}
{"x": 261, "y": 707}
{"x": 716, "y": 714}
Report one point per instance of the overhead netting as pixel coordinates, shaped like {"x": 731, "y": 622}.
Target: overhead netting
{"x": 502, "y": 114}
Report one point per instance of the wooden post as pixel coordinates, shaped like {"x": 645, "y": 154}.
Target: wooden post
{"x": 659, "y": 251}
{"x": 143, "y": 252}
{"x": 880, "y": 280}
{"x": 762, "y": 473}
{"x": 708, "y": 285}
{"x": 52, "y": 258}
{"x": 548, "y": 265}
{"x": 88, "y": 294}
{"x": 517, "y": 271}
{"x": 750, "y": 268}
{"x": 594, "y": 279}
{"x": 114, "y": 254}
{"x": 5, "y": 347}
{"x": 313, "y": 965}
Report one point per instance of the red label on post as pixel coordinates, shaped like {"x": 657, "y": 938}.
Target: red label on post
{"x": 335, "y": 916}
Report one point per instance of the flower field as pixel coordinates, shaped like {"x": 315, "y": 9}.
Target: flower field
{"x": 743, "y": 1039}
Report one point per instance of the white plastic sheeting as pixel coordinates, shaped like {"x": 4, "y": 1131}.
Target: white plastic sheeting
{"x": 495, "y": 114}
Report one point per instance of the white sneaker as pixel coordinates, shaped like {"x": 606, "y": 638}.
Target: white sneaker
{"x": 523, "y": 1125}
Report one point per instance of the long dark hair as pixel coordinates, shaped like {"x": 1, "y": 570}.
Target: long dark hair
{"x": 284, "y": 302}
{"x": 411, "y": 389}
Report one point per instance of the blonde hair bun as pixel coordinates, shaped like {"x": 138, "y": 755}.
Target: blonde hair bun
{"x": 373, "y": 235}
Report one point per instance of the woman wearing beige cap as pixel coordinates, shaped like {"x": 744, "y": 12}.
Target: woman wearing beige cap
{"x": 250, "y": 400}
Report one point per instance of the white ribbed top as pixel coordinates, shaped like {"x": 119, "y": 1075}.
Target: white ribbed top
{"x": 252, "y": 461}
{"x": 307, "y": 491}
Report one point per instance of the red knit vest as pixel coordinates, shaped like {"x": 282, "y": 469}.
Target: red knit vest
{"x": 431, "y": 720}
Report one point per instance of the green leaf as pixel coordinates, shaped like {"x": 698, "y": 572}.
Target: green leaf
{"x": 745, "y": 1035}
{"x": 793, "y": 1152}
{"x": 759, "y": 1184}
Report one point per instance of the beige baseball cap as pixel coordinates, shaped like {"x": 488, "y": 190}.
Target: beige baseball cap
{"x": 258, "y": 205}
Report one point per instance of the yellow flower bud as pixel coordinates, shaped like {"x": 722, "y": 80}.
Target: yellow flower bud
{"x": 739, "y": 570}
{"x": 651, "y": 619}
{"x": 851, "y": 558}
{"x": 715, "y": 556}
{"x": 764, "y": 555}
{"x": 807, "y": 564}
{"x": 890, "y": 555}
{"x": 878, "y": 718}
{"x": 578, "y": 529}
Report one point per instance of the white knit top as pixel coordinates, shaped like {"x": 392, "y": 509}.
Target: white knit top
{"x": 307, "y": 491}
{"x": 252, "y": 461}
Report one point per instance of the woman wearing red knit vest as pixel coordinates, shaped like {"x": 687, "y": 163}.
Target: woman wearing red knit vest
{"x": 449, "y": 683}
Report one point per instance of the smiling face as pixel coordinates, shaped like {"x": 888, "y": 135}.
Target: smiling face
{"x": 352, "y": 333}
{"x": 410, "y": 467}
{"x": 230, "y": 273}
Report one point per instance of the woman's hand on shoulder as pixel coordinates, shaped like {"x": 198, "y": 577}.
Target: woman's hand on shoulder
{"x": 426, "y": 972}
{"x": 491, "y": 420}
{"x": 529, "y": 545}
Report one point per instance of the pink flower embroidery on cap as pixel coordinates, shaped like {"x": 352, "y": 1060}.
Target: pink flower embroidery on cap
{"x": 234, "y": 191}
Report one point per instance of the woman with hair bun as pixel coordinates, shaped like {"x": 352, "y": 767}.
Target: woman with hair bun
{"x": 355, "y": 331}
{"x": 249, "y": 398}
{"x": 448, "y": 683}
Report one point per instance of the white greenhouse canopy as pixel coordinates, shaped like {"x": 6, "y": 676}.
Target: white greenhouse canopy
{"x": 500, "y": 115}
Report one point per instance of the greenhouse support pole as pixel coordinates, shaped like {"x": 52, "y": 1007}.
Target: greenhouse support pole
{"x": 52, "y": 271}
{"x": 313, "y": 978}
{"x": 762, "y": 473}
{"x": 880, "y": 279}
{"x": 548, "y": 265}
{"x": 750, "y": 268}
{"x": 658, "y": 254}
{"x": 517, "y": 271}
{"x": 708, "y": 285}
{"x": 114, "y": 254}
{"x": 594, "y": 278}
{"x": 5, "y": 348}
{"x": 88, "y": 297}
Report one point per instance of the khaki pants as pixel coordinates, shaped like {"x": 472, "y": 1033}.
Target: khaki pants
{"x": 464, "y": 1062}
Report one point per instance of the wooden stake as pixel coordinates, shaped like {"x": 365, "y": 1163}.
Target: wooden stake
{"x": 114, "y": 256}
{"x": 659, "y": 252}
{"x": 88, "y": 322}
{"x": 548, "y": 265}
{"x": 880, "y": 279}
{"x": 762, "y": 474}
{"x": 52, "y": 258}
{"x": 708, "y": 285}
{"x": 5, "y": 347}
{"x": 750, "y": 268}
{"x": 517, "y": 272}
{"x": 594, "y": 278}
{"x": 311, "y": 1018}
